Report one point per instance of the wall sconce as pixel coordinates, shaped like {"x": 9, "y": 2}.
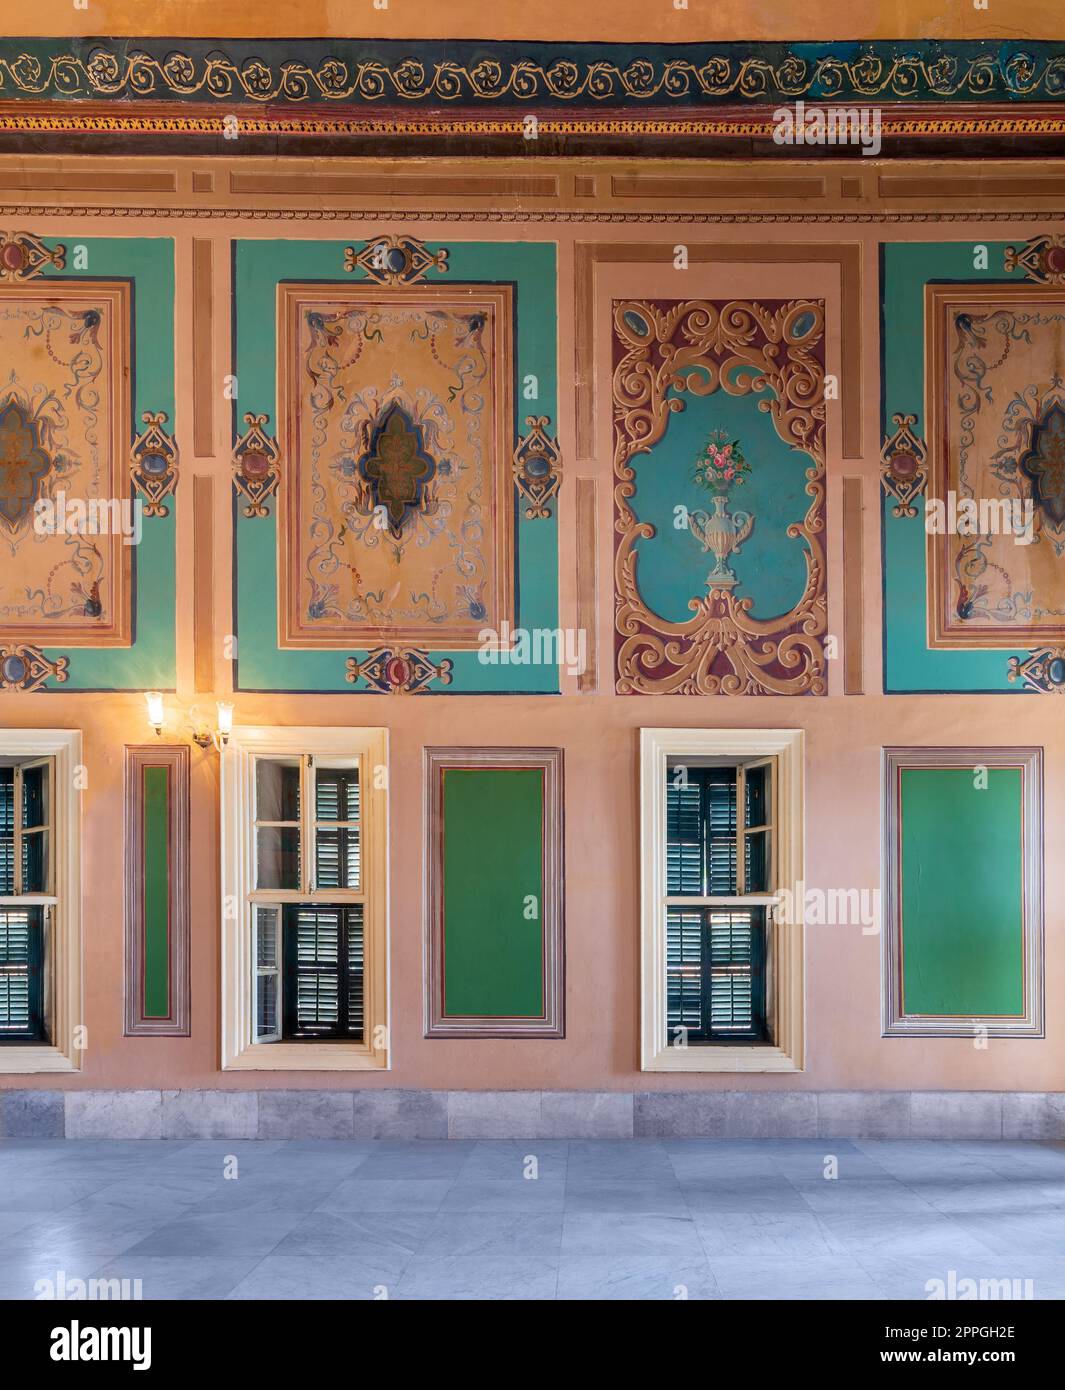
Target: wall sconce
{"x": 155, "y": 710}
{"x": 219, "y": 737}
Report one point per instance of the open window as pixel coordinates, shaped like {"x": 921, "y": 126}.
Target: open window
{"x": 722, "y": 836}
{"x": 40, "y": 942}
{"x": 27, "y": 898}
{"x": 308, "y": 953}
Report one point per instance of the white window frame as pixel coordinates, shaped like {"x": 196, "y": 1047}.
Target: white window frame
{"x": 64, "y": 983}
{"x": 239, "y": 1050}
{"x": 785, "y": 956}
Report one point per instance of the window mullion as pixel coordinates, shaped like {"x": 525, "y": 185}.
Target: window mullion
{"x": 16, "y": 821}
{"x": 308, "y": 826}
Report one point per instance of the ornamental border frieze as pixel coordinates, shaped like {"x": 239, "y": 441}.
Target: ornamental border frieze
{"x": 476, "y": 215}
{"x": 367, "y": 72}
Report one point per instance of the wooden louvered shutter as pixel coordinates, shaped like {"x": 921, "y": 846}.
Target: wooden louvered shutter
{"x": 7, "y": 831}
{"x": 684, "y": 972}
{"x": 734, "y": 983}
{"x": 324, "y": 972}
{"x": 21, "y": 998}
{"x": 266, "y": 962}
{"x": 355, "y": 940}
{"x": 337, "y": 830}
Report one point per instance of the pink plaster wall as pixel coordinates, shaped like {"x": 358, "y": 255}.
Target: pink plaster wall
{"x": 600, "y": 736}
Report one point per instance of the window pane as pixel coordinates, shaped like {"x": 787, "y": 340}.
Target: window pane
{"x": 336, "y": 793}
{"x": 337, "y": 858}
{"x": 314, "y": 953}
{"x": 735, "y": 949}
{"x": 267, "y": 951}
{"x": 684, "y": 935}
{"x": 35, "y": 861}
{"x": 758, "y": 796}
{"x": 756, "y": 861}
{"x": 356, "y": 970}
{"x": 278, "y": 857}
{"x": 20, "y": 975}
{"x": 7, "y": 830}
{"x": 277, "y": 790}
{"x": 34, "y": 797}
{"x": 715, "y": 975}
{"x": 701, "y": 830}
{"x": 324, "y": 972}
{"x": 684, "y": 835}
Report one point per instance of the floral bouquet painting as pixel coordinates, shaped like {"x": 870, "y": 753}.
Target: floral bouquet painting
{"x": 719, "y": 468}
{"x": 721, "y": 464}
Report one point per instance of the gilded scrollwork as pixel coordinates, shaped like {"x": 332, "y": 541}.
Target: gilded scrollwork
{"x": 698, "y": 347}
{"x": 299, "y": 73}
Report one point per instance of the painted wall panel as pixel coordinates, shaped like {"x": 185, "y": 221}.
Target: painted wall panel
{"x": 493, "y": 878}
{"x": 962, "y": 892}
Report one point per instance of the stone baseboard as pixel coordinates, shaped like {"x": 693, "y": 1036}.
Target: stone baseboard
{"x": 411, "y": 1114}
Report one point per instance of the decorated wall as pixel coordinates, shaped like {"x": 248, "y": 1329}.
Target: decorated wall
{"x": 512, "y": 458}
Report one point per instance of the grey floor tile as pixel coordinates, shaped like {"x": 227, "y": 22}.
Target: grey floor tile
{"x": 614, "y": 1219}
{"x": 623, "y": 1195}
{"x": 42, "y": 1194}
{"x": 148, "y": 1193}
{"x": 635, "y": 1277}
{"x": 492, "y": 1233}
{"x": 503, "y": 1159}
{"x": 404, "y": 1194}
{"x": 771, "y": 1193}
{"x": 1017, "y": 1233}
{"x": 218, "y": 1233}
{"x": 927, "y": 1278}
{"x": 345, "y": 1278}
{"x": 377, "y": 1238}
{"x": 392, "y": 1167}
{"x": 480, "y": 1277}
{"x": 706, "y": 1163}
{"x": 12, "y": 1221}
{"x": 263, "y": 1194}
{"x": 794, "y": 1233}
{"x": 91, "y": 1235}
{"x": 27, "y": 1277}
{"x": 198, "y": 1277}
{"x": 511, "y": 1194}
{"x": 629, "y": 1233}
{"x": 870, "y": 1195}
{"x": 903, "y": 1234}
{"x": 813, "y": 1277}
{"x": 994, "y": 1194}
{"x": 597, "y": 1160}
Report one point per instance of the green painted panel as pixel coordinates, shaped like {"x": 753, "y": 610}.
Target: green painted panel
{"x": 493, "y": 862}
{"x": 962, "y": 892}
{"x": 155, "y": 812}
{"x": 151, "y": 663}
{"x": 909, "y": 663}
{"x": 258, "y": 267}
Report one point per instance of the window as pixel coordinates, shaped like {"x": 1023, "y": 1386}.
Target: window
{"x": 722, "y": 835}
{"x": 40, "y": 926}
{"x": 26, "y": 899}
{"x": 308, "y": 953}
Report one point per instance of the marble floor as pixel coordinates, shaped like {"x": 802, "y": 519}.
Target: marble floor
{"x": 531, "y": 1219}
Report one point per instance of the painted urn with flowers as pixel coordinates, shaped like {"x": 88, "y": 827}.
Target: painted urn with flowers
{"x": 719, "y": 468}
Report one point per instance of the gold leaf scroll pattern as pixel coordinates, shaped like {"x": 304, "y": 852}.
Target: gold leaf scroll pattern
{"x": 700, "y": 347}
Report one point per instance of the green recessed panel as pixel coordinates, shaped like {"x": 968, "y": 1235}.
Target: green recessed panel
{"x": 155, "y": 794}
{"x": 493, "y": 869}
{"x": 962, "y": 892}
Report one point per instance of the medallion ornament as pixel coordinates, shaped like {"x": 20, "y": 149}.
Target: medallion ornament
{"x": 256, "y": 465}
